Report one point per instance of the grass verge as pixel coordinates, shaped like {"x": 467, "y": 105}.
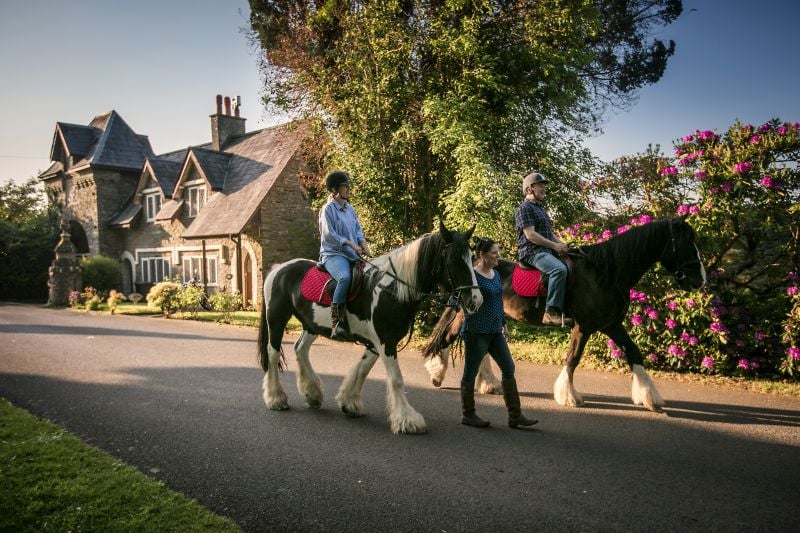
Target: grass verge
{"x": 52, "y": 481}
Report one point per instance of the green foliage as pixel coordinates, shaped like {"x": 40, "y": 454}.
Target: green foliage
{"x": 437, "y": 109}
{"x": 102, "y": 272}
{"x": 114, "y": 299}
{"x": 189, "y": 298}
{"x": 28, "y": 236}
{"x": 165, "y": 296}
{"x": 226, "y": 303}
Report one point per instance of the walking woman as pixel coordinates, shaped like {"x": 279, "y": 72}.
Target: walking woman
{"x": 487, "y": 331}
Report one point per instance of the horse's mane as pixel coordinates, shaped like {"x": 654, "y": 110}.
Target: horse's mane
{"x": 414, "y": 263}
{"x": 638, "y": 246}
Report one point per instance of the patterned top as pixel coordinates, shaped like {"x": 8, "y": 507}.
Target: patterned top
{"x": 338, "y": 224}
{"x": 489, "y": 318}
{"x": 532, "y": 213}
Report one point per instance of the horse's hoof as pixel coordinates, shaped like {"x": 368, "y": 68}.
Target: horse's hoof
{"x": 314, "y": 403}
{"x": 411, "y": 429}
{"x": 278, "y": 407}
{"x": 351, "y": 412}
{"x": 436, "y": 382}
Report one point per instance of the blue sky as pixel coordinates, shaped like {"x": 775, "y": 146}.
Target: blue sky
{"x": 161, "y": 63}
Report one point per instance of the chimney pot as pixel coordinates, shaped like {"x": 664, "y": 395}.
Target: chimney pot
{"x": 219, "y": 104}
{"x": 227, "y": 105}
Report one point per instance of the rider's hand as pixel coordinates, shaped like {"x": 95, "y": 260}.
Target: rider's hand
{"x": 560, "y": 248}
{"x": 365, "y": 251}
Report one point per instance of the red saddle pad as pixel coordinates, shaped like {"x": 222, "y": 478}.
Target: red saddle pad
{"x": 313, "y": 287}
{"x": 528, "y": 283}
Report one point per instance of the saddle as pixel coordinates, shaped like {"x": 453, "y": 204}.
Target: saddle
{"x": 529, "y": 282}
{"x": 318, "y": 285}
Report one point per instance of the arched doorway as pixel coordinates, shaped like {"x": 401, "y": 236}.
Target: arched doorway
{"x": 78, "y": 238}
{"x": 127, "y": 276}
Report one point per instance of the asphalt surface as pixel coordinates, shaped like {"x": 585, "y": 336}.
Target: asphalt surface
{"x": 181, "y": 401}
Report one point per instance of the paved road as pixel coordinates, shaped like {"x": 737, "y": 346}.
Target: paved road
{"x": 181, "y": 401}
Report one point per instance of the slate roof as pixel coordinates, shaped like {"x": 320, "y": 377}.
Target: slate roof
{"x": 213, "y": 165}
{"x": 169, "y": 210}
{"x": 117, "y": 145}
{"x": 78, "y": 139}
{"x": 125, "y": 218}
{"x": 53, "y": 170}
{"x": 165, "y": 173}
{"x": 256, "y": 161}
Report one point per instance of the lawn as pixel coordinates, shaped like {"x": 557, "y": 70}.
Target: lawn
{"x": 52, "y": 481}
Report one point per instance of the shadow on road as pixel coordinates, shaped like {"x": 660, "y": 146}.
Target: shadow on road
{"x": 81, "y": 331}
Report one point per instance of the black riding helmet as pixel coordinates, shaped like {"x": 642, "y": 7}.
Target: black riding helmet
{"x": 335, "y": 179}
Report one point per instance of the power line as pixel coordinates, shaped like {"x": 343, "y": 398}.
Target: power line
{"x": 23, "y": 157}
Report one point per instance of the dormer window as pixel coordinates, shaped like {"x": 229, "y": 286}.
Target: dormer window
{"x": 196, "y": 197}
{"x": 152, "y": 203}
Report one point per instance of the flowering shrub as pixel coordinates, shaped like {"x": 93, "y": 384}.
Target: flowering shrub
{"x": 114, "y": 298}
{"x": 740, "y": 191}
{"x": 190, "y": 297}
{"x": 165, "y": 296}
{"x": 226, "y": 303}
{"x": 74, "y": 299}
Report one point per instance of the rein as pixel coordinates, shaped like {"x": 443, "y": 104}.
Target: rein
{"x": 679, "y": 274}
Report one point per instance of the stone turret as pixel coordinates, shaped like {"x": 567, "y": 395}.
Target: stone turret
{"x": 65, "y": 272}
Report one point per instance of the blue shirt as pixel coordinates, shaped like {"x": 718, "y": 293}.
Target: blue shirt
{"x": 490, "y": 317}
{"x": 532, "y": 213}
{"x": 338, "y": 225}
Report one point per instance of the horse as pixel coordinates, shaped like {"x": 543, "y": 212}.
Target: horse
{"x": 598, "y": 296}
{"x": 379, "y": 316}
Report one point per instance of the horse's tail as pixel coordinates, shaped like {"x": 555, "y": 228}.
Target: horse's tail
{"x": 445, "y": 332}
{"x": 263, "y": 338}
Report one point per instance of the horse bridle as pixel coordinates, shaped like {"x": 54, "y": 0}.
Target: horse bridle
{"x": 678, "y": 274}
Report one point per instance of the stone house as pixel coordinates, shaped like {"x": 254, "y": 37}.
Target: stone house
{"x": 222, "y": 213}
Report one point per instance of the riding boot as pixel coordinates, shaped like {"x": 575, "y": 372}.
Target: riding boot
{"x": 339, "y": 329}
{"x": 511, "y": 396}
{"x": 468, "y": 416}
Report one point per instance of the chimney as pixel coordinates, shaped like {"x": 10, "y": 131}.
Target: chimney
{"x": 225, "y": 126}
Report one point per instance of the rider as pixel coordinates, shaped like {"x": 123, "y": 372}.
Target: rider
{"x": 539, "y": 247}
{"x": 341, "y": 243}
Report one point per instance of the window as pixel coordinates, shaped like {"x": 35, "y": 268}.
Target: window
{"x": 197, "y": 199}
{"x": 152, "y": 204}
{"x": 154, "y": 269}
{"x": 191, "y": 269}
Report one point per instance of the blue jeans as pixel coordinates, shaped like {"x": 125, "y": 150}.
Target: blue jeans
{"x": 339, "y": 268}
{"x": 557, "y": 271}
{"x": 475, "y": 347}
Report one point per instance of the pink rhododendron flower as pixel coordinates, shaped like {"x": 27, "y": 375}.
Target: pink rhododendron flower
{"x": 767, "y": 181}
{"x": 744, "y": 364}
{"x": 791, "y": 291}
{"x": 718, "y": 327}
{"x": 606, "y": 234}
{"x": 693, "y": 341}
{"x": 622, "y": 229}
{"x": 677, "y": 351}
{"x": 688, "y": 138}
{"x": 701, "y": 174}
{"x": 668, "y": 171}
{"x": 764, "y": 128}
{"x": 708, "y": 362}
{"x": 706, "y": 135}
{"x": 653, "y": 358}
{"x": 782, "y": 130}
{"x": 794, "y": 353}
{"x": 793, "y": 276}
{"x": 678, "y": 152}
{"x": 636, "y": 319}
{"x": 759, "y": 336}
{"x": 611, "y": 344}
{"x": 645, "y": 219}
{"x": 754, "y": 139}
{"x": 672, "y": 305}
{"x": 747, "y": 128}
{"x": 683, "y": 209}
{"x": 685, "y": 336}
{"x": 796, "y": 125}
{"x": 651, "y": 313}
{"x": 616, "y": 353}
{"x": 693, "y": 210}
{"x": 588, "y": 236}
{"x": 741, "y": 168}
{"x": 670, "y": 323}
{"x": 727, "y": 186}
{"x": 690, "y": 303}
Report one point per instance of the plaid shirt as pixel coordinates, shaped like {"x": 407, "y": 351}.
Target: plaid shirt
{"x": 531, "y": 213}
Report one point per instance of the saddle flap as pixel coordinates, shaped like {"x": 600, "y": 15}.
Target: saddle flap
{"x": 318, "y": 285}
{"x": 527, "y": 281}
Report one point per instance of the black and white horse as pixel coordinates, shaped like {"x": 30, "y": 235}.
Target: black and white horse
{"x": 598, "y": 295}
{"x": 380, "y": 316}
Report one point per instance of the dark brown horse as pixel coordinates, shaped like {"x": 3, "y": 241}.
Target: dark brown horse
{"x": 597, "y": 297}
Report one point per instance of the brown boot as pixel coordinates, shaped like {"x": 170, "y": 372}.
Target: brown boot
{"x": 468, "y": 416}
{"x": 511, "y": 396}
{"x": 554, "y": 317}
{"x": 339, "y": 330}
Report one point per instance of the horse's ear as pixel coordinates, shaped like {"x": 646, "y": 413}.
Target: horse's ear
{"x": 446, "y": 233}
{"x": 471, "y": 231}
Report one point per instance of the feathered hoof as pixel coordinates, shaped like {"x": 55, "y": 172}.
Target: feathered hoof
{"x": 436, "y": 382}
{"x": 489, "y": 388}
{"x": 407, "y": 427}
{"x": 278, "y": 405}
{"x": 352, "y": 409}
{"x": 313, "y": 402}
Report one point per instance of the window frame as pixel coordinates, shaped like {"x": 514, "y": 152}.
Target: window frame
{"x": 157, "y": 201}
{"x": 150, "y": 269}
{"x": 195, "y": 200}
{"x": 212, "y": 266}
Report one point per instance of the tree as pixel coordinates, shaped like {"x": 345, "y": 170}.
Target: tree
{"x": 435, "y": 104}
{"x": 28, "y": 237}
